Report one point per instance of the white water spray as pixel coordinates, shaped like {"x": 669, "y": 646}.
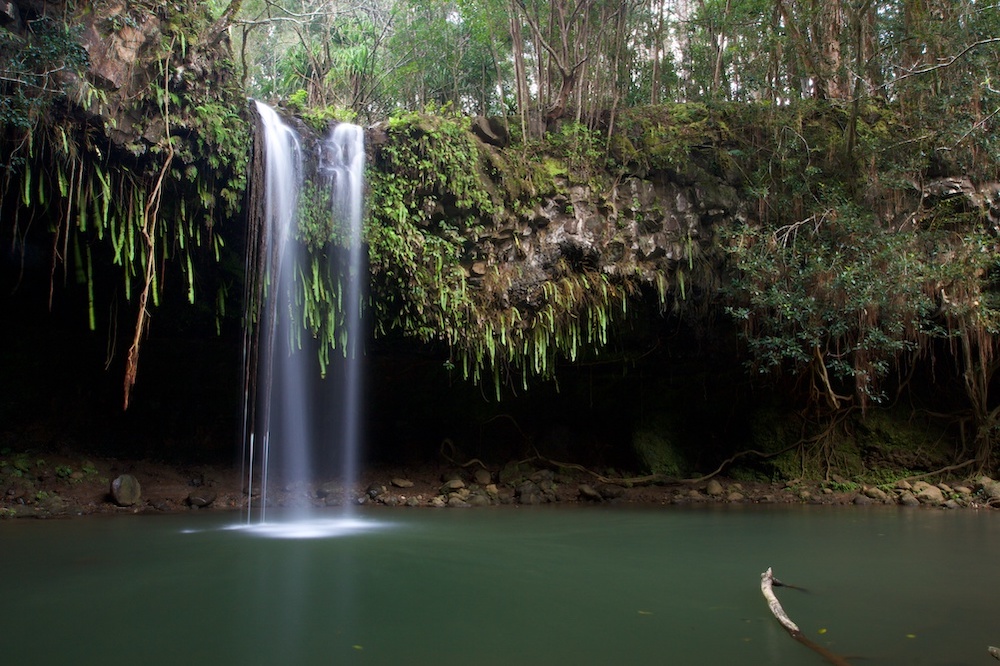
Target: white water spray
{"x": 281, "y": 405}
{"x": 343, "y": 158}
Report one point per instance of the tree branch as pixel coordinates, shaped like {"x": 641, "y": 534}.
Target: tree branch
{"x": 767, "y": 580}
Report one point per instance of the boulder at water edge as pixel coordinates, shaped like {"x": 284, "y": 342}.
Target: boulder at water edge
{"x": 125, "y": 490}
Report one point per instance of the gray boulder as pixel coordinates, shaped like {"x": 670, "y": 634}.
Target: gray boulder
{"x": 930, "y": 495}
{"x": 125, "y": 490}
{"x": 876, "y": 494}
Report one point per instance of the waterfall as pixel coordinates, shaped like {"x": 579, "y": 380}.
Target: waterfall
{"x": 287, "y": 406}
{"x": 343, "y": 157}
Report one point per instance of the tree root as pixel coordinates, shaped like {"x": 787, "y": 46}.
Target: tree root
{"x": 446, "y": 442}
{"x": 943, "y": 470}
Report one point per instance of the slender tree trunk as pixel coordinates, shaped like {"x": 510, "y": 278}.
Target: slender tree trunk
{"x": 654, "y": 88}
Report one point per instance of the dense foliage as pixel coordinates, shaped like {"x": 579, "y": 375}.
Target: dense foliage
{"x": 121, "y": 130}
{"x": 859, "y": 135}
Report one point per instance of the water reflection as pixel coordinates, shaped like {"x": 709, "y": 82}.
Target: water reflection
{"x": 505, "y": 586}
{"x": 319, "y": 528}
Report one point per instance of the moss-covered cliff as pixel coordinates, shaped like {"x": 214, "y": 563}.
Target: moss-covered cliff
{"x": 844, "y": 272}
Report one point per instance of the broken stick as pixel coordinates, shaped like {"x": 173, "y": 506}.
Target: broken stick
{"x": 767, "y": 581}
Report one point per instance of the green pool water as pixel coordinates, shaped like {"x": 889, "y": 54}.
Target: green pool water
{"x": 504, "y": 586}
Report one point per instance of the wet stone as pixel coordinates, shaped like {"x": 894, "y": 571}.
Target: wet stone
{"x": 478, "y": 499}
{"x": 587, "y": 492}
{"x": 714, "y": 489}
{"x": 482, "y": 477}
{"x": 402, "y": 483}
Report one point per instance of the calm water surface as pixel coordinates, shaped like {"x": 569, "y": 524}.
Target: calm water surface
{"x": 505, "y": 586}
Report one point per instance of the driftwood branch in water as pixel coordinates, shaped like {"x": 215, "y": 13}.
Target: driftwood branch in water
{"x": 767, "y": 581}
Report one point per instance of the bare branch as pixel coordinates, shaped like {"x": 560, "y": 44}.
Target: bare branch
{"x": 945, "y": 62}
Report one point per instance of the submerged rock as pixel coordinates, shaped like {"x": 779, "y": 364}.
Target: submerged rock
{"x": 125, "y": 490}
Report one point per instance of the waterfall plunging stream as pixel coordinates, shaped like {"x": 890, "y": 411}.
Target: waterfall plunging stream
{"x": 293, "y": 419}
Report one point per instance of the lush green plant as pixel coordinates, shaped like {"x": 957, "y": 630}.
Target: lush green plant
{"x": 434, "y": 191}
{"x": 154, "y": 194}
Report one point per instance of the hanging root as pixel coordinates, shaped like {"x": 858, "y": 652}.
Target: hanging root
{"x": 450, "y": 445}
